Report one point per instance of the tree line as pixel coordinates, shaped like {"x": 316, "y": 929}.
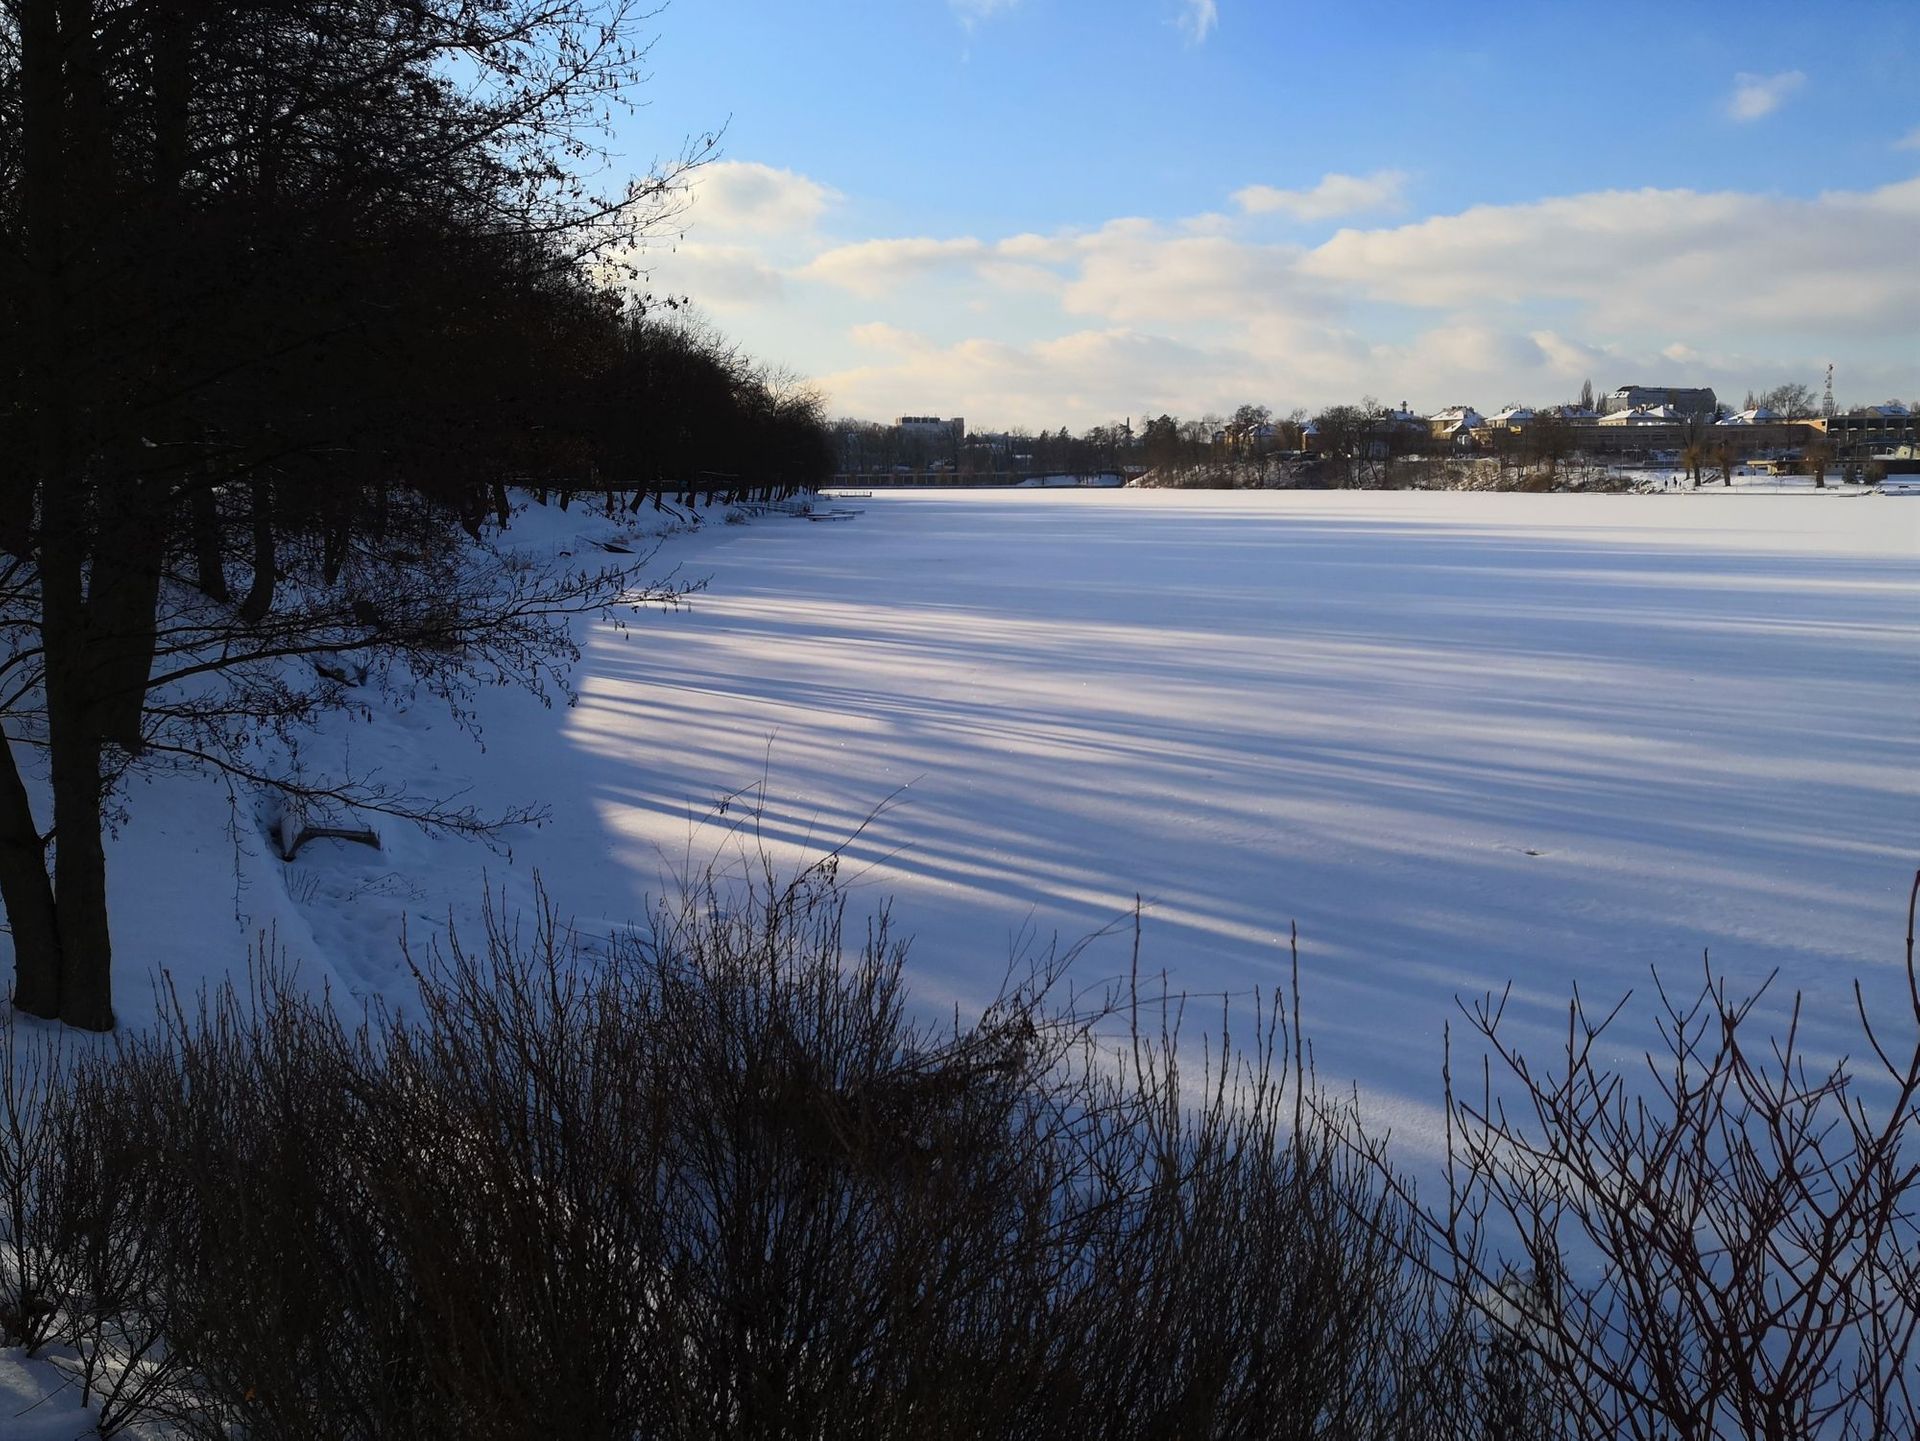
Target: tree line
{"x": 1351, "y": 444}
{"x": 291, "y": 292}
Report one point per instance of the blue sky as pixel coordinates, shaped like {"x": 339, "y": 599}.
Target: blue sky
{"x": 1060, "y": 211}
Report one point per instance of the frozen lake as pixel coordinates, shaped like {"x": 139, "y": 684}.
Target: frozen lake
{"x": 1461, "y": 739}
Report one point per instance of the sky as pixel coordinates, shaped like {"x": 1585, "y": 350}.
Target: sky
{"x": 1072, "y": 212}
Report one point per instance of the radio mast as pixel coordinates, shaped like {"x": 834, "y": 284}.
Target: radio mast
{"x": 1826, "y": 401}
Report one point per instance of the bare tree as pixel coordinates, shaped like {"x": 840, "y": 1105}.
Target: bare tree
{"x": 1792, "y": 400}
{"x": 1818, "y": 456}
{"x": 232, "y": 242}
{"x": 1725, "y": 455}
{"x": 1549, "y": 441}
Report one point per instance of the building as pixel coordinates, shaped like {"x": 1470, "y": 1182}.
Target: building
{"x": 1455, "y": 425}
{"x": 1643, "y": 415}
{"x": 1689, "y": 402}
{"x": 1638, "y": 429}
{"x": 932, "y": 427}
{"x": 1862, "y": 432}
{"x": 1902, "y": 464}
{"x": 1514, "y": 419}
{"x": 1754, "y": 432}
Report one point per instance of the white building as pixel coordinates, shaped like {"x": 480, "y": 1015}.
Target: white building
{"x": 1514, "y": 417}
{"x": 1644, "y": 415}
{"x": 1455, "y": 424}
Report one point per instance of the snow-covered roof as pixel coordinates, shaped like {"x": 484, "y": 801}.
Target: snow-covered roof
{"x": 1457, "y": 415}
{"x": 1892, "y": 410}
{"x": 1759, "y": 415}
{"x": 1512, "y": 415}
{"x": 1644, "y": 415}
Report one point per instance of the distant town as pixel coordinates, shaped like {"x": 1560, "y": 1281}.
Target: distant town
{"x": 1789, "y": 430}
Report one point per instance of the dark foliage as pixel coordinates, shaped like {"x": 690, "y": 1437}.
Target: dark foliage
{"x": 714, "y": 1179}
{"x": 291, "y": 291}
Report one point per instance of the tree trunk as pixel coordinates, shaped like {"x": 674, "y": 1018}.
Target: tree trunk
{"x": 64, "y": 149}
{"x": 259, "y": 599}
{"x": 203, "y": 514}
{"x": 80, "y": 882}
{"x": 79, "y": 857}
{"x": 333, "y": 545}
{"x": 122, "y": 614}
{"x": 28, "y": 896}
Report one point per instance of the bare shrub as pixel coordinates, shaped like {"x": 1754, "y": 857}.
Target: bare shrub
{"x": 34, "y": 1064}
{"x": 718, "y": 1177}
{"x": 1727, "y": 1247}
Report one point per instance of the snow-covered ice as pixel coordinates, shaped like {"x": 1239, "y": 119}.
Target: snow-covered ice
{"x": 1461, "y": 739}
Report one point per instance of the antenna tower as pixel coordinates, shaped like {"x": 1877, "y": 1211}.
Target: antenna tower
{"x": 1826, "y": 401}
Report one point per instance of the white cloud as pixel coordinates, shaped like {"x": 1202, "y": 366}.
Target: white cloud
{"x": 1089, "y": 377}
{"x": 1755, "y": 96}
{"x": 720, "y": 277}
{"x": 1079, "y": 379}
{"x": 1335, "y": 195}
{"x": 875, "y": 267}
{"x": 972, "y": 12}
{"x": 740, "y": 197}
{"x": 1128, "y": 272}
{"x": 1909, "y": 141}
{"x": 1650, "y": 260}
{"x": 1133, "y": 272}
{"x": 1198, "y": 19}
{"x": 879, "y": 335}
{"x": 1491, "y": 304}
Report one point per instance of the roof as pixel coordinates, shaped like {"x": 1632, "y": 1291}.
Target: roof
{"x": 1759, "y": 415}
{"x": 1644, "y": 415}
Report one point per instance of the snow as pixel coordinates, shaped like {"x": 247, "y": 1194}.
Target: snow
{"x": 1460, "y": 739}
{"x": 40, "y": 1400}
{"x": 1643, "y": 415}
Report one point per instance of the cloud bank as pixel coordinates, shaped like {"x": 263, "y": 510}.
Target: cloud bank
{"x": 1489, "y": 304}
